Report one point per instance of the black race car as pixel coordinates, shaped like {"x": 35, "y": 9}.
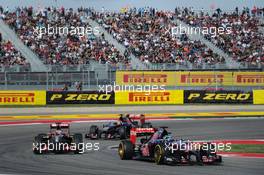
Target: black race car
{"x": 58, "y": 140}
{"x": 118, "y": 129}
{"x": 159, "y": 146}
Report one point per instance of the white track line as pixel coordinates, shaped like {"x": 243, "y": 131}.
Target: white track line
{"x": 159, "y": 119}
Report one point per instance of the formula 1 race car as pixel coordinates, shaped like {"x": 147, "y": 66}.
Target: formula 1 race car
{"x": 58, "y": 140}
{"x": 118, "y": 129}
{"x": 159, "y": 146}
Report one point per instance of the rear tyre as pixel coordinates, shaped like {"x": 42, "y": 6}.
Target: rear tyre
{"x": 195, "y": 158}
{"x": 94, "y": 131}
{"x": 219, "y": 160}
{"x": 123, "y": 132}
{"x": 37, "y": 144}
{"x": 78, "y": 140}
{"x": 126, "y": 150}
{"x": 159, "y": 154}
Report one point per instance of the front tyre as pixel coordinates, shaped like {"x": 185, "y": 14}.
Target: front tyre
{"x": 78, "y": 140}
{"x": 159, "y": 154}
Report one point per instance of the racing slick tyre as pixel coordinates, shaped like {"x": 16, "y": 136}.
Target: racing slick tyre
{"x": 146, "y": 125}
{"x": 195, "y": 158}
{"x": 219, "y": 160}
{"x": 37, "y": 144}
{"x": 126, "y": 150}
{"x": 78, "y": 140}
{"x": 159, "y": 154}
{"x": 123, "y": 132}
{"x": 94, "y": 131}
{"x": 103, "y": 135}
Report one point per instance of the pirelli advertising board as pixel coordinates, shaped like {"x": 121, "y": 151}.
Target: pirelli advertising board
{"x": 22, "y": 97}
{"x": 80, "y": 97}
{"x": 237, "y": 97}
{"x": 158, "y": 97}
{"x": 190, "y": 78}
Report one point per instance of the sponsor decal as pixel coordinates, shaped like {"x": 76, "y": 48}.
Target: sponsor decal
{"x": 217, "y": 97}
{"x": 83, "y": 97}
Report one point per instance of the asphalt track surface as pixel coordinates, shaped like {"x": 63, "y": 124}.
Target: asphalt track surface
{"x": 127, "y": 109}
{"x": 16, "y": 155}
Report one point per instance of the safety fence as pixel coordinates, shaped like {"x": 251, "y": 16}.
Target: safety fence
{"x": 130, "y": 97}
{"x": 190, "y": 78}
{"x": 171, "y": 80}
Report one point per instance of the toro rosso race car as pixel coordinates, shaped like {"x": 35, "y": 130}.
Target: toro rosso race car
{"x": 58, "y": 140}
{"x": 118, "y": 129}
{"x": 159, "y": 146}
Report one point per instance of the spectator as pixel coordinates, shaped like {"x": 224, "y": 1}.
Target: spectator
{"x": 62, "y": 49}
{"x": 66, "y": 87}
{"x": 9, "y": 56}
{"x": 79, "y": 86}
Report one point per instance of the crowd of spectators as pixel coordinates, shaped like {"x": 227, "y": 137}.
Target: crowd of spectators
{"x": 9, "y": 56}
{"x": 145, "y": 34}
{"x": 61, "y": 48}
{"x": 245, "y": 42}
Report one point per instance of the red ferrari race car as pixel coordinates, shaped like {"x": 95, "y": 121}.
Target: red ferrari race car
{"x": 58, "y": 140}
{"x": 158, "y": 145}
{"x": 118, "y": 129}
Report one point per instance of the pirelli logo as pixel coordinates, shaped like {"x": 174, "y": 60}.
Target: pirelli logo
{"x": 201, "y": 79}
{"x": 22, "y": 97}
{"x": 250, "y": 79}
{"x": 145, "y": 78}
{"x": 149, "y": 97}
{"x": 11, "y": 98}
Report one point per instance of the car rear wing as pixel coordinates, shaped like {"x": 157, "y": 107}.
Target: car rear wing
{"x": 134, "y": 132}
{"x": 61, "y": 125}
{"x": 139, "y": 117}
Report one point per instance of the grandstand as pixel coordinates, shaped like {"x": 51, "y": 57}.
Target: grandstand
{"x": 128, "y": 39}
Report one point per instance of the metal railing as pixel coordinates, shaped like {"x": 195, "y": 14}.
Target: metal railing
{"x": 90, "y": 79}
